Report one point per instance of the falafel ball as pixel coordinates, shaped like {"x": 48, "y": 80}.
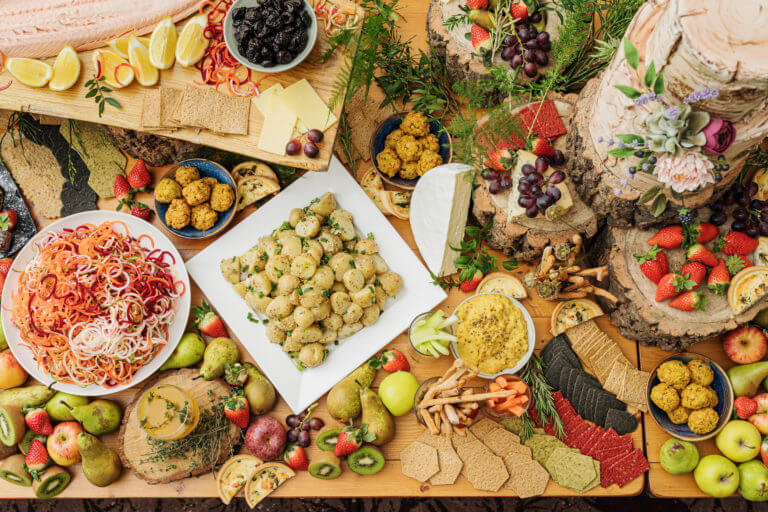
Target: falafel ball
{"x": 410, "y": 170}
{"x": 665, "y": 397}
{"x": 431, "y": 143}
{"x": 703, "y": 421}
{"x": 211, "y": 181}
{"x": 197, "y": 192}
{"x": 679, "y": 416}
{"x": 407, "y": 148}
{"x": 167, "y": 190}
{"x": 701, "y": 372}
{"x": 416, "y": 124}
{"x": 222, "y": 197}
{"x": 388, "y": 162}
{"x": 429, "y": 160}
{"x": 392, "y": 138}
{"x": 674, "y": 373}
{"x": 186, "y": 174}
{"x": 178, "y": 214}
{"x": 203, "y": 217}
{"x": 695, "y": 396}
{"x": 713, "y": 399}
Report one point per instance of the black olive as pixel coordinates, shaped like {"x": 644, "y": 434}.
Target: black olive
{"x": 286, "y": 19}
{"x": 283, "y": 39}
{"x": 284, "y": 57}
{"x": 262, "y": 32}
{"x": 242, "y": 33}
{"x": 250, "y": 16}
{"x": 238, "y": 14}
{"x": 305, "y": 18}
{"x": 267, "y": 63}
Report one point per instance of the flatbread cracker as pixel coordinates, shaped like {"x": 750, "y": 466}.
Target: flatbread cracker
{"x": 527, "y": 478}
{"x": 169, "y": 100}
{"x": 151, "y": 109}
{"x": 450, "y": 466}
{"x": 500, "y": 441}
{"x": 231, "y": 114}
{"x": 419, "y": 461}
{"x": 193, "y": 100}
{"x": 434, "y": 441}
{"x": 485, "y": 471}
{"x": 462, "y": 440}
{"x": 482, "y": 427}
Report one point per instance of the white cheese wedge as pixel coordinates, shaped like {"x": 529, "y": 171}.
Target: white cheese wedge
{"x": 517, "y": 212}
{"x": 439, "y": 208}
{"x": 279, "y": 123}
{"x": 261, "y": 101}
{"x": 312, "y": 112}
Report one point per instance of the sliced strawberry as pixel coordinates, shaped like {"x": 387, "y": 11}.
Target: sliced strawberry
{"x": 391, "y": 360}
{"x": 208, "y": 322}
{"x": 541, "y": 147}
{"x": 481, "y": 39}
{"x": 295, "y": 457}
{"x": 469, "y": 285}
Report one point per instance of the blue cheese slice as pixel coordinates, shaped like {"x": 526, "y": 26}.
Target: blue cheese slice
{"x": 514, "y": 210}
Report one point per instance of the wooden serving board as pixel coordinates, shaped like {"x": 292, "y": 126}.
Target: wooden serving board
{"x": 133, "y": 445}
{"x": 73, "y": 104}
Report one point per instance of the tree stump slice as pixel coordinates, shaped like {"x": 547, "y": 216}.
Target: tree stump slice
{"x": 638, "y": 316}
{"x": 697, "y": 44}
{"x": 526, "y": 239}
{"x": 155, "y": 150}
{"x": 133, "y": 446}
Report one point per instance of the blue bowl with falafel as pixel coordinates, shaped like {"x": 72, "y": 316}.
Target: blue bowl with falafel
{"x": 422, "y": 129}
{"x": 196, "y": 199}
{"x": 693, "y": 385}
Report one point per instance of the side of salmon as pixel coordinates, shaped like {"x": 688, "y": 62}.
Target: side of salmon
{"x": 41, "y": 28}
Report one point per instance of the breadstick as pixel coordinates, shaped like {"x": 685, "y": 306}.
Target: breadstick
{"x": 429, "y": 423}
{"x": 473, "y": 398}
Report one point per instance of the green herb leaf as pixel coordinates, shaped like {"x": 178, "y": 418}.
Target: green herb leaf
{"x": 650, "y": 75}
{"x": 658, "y": 85}
{"x": 631, "y": 54}
{"x": 628, "y": 91}
{"x": 659, "y": 205}
{"x": 629, "y": 138}
{"x": 509, "y": 264}
{"x": 649, "y": 194}
{"x": 622, "y": 152}
{"x": 113, "y": 102}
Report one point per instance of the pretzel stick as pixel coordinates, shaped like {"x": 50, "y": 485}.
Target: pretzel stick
{"x": 446, "y": 427}
{"x": 547, "y": 261}
{"x": 451, "y": 414}
{"x": 473, "y": 398}
{"x": 438, "y": 422}
{"x": 434, "y": 409}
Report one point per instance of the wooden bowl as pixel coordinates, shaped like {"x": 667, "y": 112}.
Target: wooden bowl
{"x": 722, "y": 386}
{"x": 207, "y": 169}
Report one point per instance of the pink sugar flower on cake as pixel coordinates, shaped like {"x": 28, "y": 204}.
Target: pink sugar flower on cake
{"x": 720, "y": 134}
{"x": 686, "y": 172}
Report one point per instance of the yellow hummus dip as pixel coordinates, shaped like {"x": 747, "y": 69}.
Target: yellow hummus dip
{"x": 492, "y": 333}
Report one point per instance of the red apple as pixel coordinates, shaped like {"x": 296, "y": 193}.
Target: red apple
{"x": 745, "y": 345}
{"x": 62, "y": 443}
{"x": 11, "y": 373}
{"x": 764, "y": 450}
{"x": 265, "y": 438}
{"x": 760, "y": 418}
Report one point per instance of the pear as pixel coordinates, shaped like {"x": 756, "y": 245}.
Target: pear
{"x": 343, "y": 400}
{"x": 380, "y": 422}
{"x": 101, "y": 464}
{"x": 27, "y": 397}
{"x": 218, "y": 353}
{"x": 98, "y": 417}
{"x": 188, "y": 352}
{"x": 746, "y": 378}
{"x": 482, "y": 18}
{"x": 259, "y": 391}
{"x": 58, "y": 410}
{"x": 3, "y": 340}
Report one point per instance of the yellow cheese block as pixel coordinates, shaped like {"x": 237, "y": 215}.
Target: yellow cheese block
{"x": 279, "y": 122}
{"x": 312, "y": 112}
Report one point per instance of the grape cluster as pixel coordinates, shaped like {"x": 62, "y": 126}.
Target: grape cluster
{"x": 537, "y": 192}
{"x": 750, "y": 216}
{"x": 527, "y": 47}
{"x": 300, "y": 426}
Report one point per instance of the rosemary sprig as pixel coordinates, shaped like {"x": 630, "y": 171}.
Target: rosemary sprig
{"x": 541, "y": 392}
{"x": 74, "y": 136}
{"x": 97, "y": 90}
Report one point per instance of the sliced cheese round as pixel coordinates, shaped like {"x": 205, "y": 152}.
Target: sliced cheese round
{"x": 571, "y": 313}
{"x": 502, "y": 282}
{"x": 235, "y": 473}
{"x": 265, "y": 479}
{"x": 748, "y": 287}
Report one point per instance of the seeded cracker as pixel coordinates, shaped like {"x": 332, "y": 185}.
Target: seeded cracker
{"x": 434, "y": 441}
{"x": 231, "y": 114}
{"x": 170, "y": 98}
{"x": 484, "y": 470}
{"x": 193, "y": 98}
{"x": 419, "y": 461}
{"x": 482, "y": 427}
{"x": 450, "y": 466}
{"x": 461, "y": 440}
{"x": 150, "y": 111}
{"x": 571, "y": 469}
{"x": 501, "y": 442}
{"x": 526, "y": 477}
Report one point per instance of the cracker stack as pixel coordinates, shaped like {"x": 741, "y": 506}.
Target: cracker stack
{"x": 166, "y": 108}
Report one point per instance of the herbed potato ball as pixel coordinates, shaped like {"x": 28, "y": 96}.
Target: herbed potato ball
{"x": 203, "y": 217}
{"x": 388, "y": 161}
{"x": 674, "y": 373}
{"x": 429, "y": 160}
{"x": 167, "y": 190}
{"x": 222, "y": 197}
{"x": 392, "y": 138}
{"x": 665, "y": 397}
{"x": 178, "y": 214}
{"x": 410, "y": 170}
{"x": 416, "y": 124}
{"x": 695, "y": 396}
{"x": 407, "y": 148}
{"x": 430, "y": 142}
{"x": 210, "y": 180}
{"x": 679, "y": 416}
{"x": 703, "y": 421}
{"x": 186, "y": 174}
{"x": 701, "y": 372}
{"x": 197, "y": 192}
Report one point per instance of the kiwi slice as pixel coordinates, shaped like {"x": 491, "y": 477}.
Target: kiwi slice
{"x": 325, "y": 466}
{"x": 366, "y": 461}
{"x": 52, "y": 481}
{"x": 12, "y": 469}
{"x": 29, "y": 436}
{"x": 326, "y": 441}
{"x": 12, "y": 425}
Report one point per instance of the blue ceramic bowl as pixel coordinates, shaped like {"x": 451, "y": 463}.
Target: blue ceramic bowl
{"x": 393, "y": 123}
{"x": 207, "y": 169}
{"x": 722, "y": 386}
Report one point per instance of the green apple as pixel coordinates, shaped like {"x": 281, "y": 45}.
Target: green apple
{"x": 739, "y": 441}
{"x": 753, "y": 481}
{"x": 717, "y": 476}
{"x": 396, "y": 392}
{"x": 678, "y": 457}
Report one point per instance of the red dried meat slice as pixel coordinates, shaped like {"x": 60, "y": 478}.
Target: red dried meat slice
{"x": 626, "y": 440}
{"x": 547, "y": 124}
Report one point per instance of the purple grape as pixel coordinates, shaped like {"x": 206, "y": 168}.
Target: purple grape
{"x": 529, "y": 55}
{"x": 524, "y": 34}
{"x": 718, "y": 218}
{"x": 737, "y": 188}
{"x": 536, "y": 191}
{"x": 538, "y": 179}
{"x": 292, "y": 420}
{"x": 542, "y": 38}
{"x": 756, "y": 204}
{"x": 530, "y": 69}
{"x": 490, "y": 174}
{"x": 305, "y": 427}
{"x": 740, "y": 214}
{"x": 293, "y": 147}
{"x": 752, "y": 188}
{"x": 293, "y": 436}
{"x": 763, "y": 228}
{"x": 738, "y": 225}
{"x": 516, "y": 61}
{"x": 518, "y": 50}
{"x": 524, "y": 187}
{"x": 752, "y": 229}
{"x": 507, "y": 53}
{"x": 546, "y": 46}
{"x": 541, "y": 58}
{"x": 743, "y": 200}
{"x": 559, "y": 158}
{"x": 505, "y": 182}
{"x": 535, "y": 17}
{"x": 554, "y": 193}
{"x": 728, "y": 198}
{"x": 531, "y": 211}
{"x": 311, "y": 150}
{"x": 541, "y": 164}
{"x": 315, "y": 135}
{"x": 526, "y": 201}
{"x": 764, "y": 215}
{"x": 557, "y": 177}
{"x": 717, "y": 207}
{"x": 531, "y": 44}
{"x": 303, "y": 439}
{"x": 316, "y": 423}
{"x": 510, "y": 40}
{"x": 543, "y": 203}
{"x": 528, "y": 169}
{"x": 494, "y": 187}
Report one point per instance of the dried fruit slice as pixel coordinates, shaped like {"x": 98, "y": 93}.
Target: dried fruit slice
{"x": 110, "y": 60}
{"x": 192, "y": 42}
{"x": 66, "y": 69}
{"x": 138, "y": 56}
{"x": 120, "y": 45}
{"x": 162, "y": 44}
{"x": 31, "y": 72}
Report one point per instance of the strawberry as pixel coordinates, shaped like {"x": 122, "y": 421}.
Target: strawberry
{"x": 138, "y": 177}
{"x": 541, "y": 147}
{"x": 519, "y": 11}
{"x": 694, "y": 271}
{"x": 141, "y": 211}
{"x": 5, "y": 265}
{"x": 351, "y": 439}
{"x": 735, "y": 242}
{"x": 8, "y": 219}
{"x": 38, "y": 422}
{"x": 470, "y": 284}
{"x": 477, "y": 5}
{"x": 121, "y": 189}
{"x": 745, "y": 407}
{"x": 208, "y": 322}
{"x": 237, "y": 411}
{"x": 689, "y": 301}
{"x": 698, "y": 252}
{"x": 295, "y": 457}
{"x": 670, "y": 237}
{"x": 737, "y": 263}
{"x": 719, "y": 278}
{"x": 707, "y": 232}
{"x": 37, "y": 459}
{"x": 653, "y": 264}
{"x": 391, "y": 360}
{"x": 671, "y": 285}
{"x": 497, "y": 158}
{"x": 481, "y": 39}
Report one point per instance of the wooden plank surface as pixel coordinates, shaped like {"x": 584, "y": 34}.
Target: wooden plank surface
{"x": 73, "y": 104}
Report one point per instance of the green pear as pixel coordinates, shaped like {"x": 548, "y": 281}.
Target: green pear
{"x": 3, "y": 341}
{"x": 188, "y": 352}
{"x": 101, "y": 464}
{"x": 343, "y": 400}
{"x": 27, "y": 397}
{"x": 380, "y": 422}
{"x": 58, "y": 410}
{"x": 259, "y": 392}
{"x": 482, "y": 18}
{"x": 746, "y": 378}
{"x": 218, "y": 353}
{"x": 98, "y": 417}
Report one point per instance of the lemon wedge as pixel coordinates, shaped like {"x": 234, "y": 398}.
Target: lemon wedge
{"x": 138, "y": 56}
{"x": 31, "y": 72}
{"x": 111, "y": 62}
{"x": 192, "y": 43}
{"x": 66, "y": 70}
{"x": 162, "y": 44}
{"x": 120, "y": 45}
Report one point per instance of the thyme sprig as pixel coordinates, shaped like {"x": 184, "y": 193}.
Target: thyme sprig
{"x": 541, "y": 392}
{"x": 98, "y": 90}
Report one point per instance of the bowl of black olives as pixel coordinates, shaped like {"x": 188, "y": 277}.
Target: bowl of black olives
{"x": 270, "y": 36}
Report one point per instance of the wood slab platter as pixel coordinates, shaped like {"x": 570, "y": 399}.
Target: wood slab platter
{"x": 73, "y": 104}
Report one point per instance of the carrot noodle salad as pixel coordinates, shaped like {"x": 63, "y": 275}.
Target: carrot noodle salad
{"x": 94, "y": 305}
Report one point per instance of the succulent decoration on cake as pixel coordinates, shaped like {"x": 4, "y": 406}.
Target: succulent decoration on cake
{"x": 681, "y": 146}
